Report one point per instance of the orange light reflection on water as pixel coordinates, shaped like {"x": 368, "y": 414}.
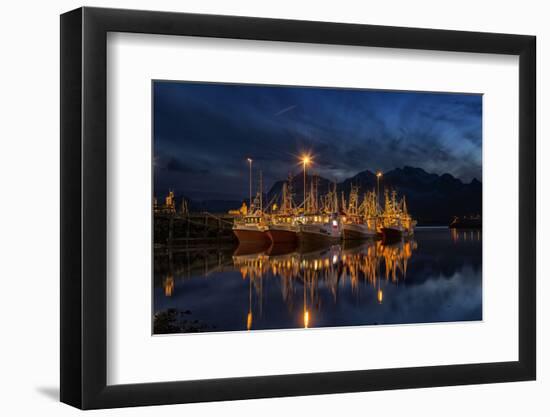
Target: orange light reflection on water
{"x": 330, "y": 267}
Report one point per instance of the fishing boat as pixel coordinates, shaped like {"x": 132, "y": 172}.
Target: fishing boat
{"x": 282, "y": 230}
{"x": 356, "y": 229}
{"x": 397, "y": 229}
{"x": 282, "y": 227}
{"x": 319, "y": 228}
{"x": 359, "y": 221}
{"x": 252, "y": 227}
{"x": 395, "y": 221}
{"x": 392, "y": 232}
{"x": 466, "y": 222}
{"x": 320, "y": 221}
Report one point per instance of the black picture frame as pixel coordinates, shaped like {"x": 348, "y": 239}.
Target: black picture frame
{"x": 84, "y": 207}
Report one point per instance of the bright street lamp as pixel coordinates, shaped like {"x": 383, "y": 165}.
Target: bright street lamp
{"x": 378, "y": 175}
{"x": 306, "y": 160}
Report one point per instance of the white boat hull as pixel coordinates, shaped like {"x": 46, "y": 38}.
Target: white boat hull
{"x": 358, "y": 231}
{"x": 315, "y": 232}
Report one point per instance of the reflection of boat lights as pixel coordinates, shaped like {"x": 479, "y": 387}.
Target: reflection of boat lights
{"x": 249, "y": 321}
{"x": 324, "y": 269}
{"x": 169, "y": 286}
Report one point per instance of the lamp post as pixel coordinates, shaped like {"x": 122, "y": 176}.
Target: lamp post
{"x": 378, "y": 175}
{"x": 249, "y": 183}
{"x": 306, "y": 159}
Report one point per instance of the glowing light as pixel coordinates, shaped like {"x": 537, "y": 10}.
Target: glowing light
{"x": 169, "y": 286}
{"x": 306, "y": 319}
{"x": 335, "y": 223}
{"x": 249, "y": 321}
{"x": 249, "y": 160}
{"x": 306, "y": 159}
{"x": 379, "y": 174}
{"x": 380, "y": 296}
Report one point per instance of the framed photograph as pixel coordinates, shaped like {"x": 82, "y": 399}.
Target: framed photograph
{"x": 257, "y": 208}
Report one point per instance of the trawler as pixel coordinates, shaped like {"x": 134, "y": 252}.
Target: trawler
{"x": 252, "y": 227}
{"x": 282, "y": 227}
{"x": 320, "y": 222}
{"x": 359, "y": 221}
{"x": 470, "y": 222}
{"x": 319, "y": 227}
{"x": 395, "y": 221}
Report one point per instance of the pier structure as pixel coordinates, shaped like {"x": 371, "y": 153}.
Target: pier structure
{"x": 173, "y": 227}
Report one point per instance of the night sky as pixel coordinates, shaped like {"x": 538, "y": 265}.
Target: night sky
{"x": 203, "y": 134}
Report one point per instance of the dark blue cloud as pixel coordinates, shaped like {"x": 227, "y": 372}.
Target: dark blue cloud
{"x": 203, "y": 134}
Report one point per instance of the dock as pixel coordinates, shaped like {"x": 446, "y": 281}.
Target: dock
{"x": 193, "y": 230}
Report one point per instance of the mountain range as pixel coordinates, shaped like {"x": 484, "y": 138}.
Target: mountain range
{"x": 432, "y": 199}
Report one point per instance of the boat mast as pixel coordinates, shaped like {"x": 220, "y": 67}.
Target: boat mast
{"x": 314, "y": 196}
{"x": 284, "y": 208}
{"x": 261, "y": 192}
{"x": 313, "y": 204}
{"x": 335, "y": 200}
{"x": 249, "y": 183}
{"x": 353, "y": 200}
{"x": 289, "y": 194}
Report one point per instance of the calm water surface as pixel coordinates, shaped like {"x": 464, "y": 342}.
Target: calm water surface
{"x": 436, "y": 277}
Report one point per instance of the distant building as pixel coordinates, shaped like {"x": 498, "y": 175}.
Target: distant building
{"x": 170, "y": 202}
{"x": 169, "y": 206}
{"x": 240, "y": 212}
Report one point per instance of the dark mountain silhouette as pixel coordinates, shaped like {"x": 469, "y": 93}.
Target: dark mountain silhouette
{"x": 432, "y": 199}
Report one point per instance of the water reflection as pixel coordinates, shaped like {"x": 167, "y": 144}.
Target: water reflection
{"x": 287, "y": 286}
{"x": 465, "y": 234}
{"x": 330, "y": 267}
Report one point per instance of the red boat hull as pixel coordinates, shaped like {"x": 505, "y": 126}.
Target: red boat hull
{"x": 250, "y": 236}
{"x": 282, "y": 236}
{"x": 389, "y": 234}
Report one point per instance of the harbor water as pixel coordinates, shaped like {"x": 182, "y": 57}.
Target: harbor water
{"x": 436, "y": 276}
